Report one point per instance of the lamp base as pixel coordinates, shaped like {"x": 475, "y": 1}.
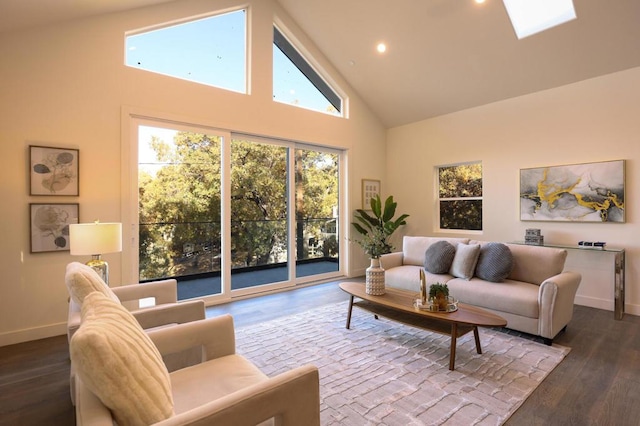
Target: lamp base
{"x": 100, "y": 266}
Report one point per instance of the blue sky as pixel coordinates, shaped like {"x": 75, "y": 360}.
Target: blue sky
{"x": 212, "y": 51}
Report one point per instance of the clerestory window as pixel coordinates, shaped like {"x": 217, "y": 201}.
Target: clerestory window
{"x": 296, "y": 82}
{"x": 211, "y": 51}
{"x": 460, "y": 196}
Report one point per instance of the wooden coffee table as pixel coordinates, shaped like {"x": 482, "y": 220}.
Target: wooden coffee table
{"x": 397, "y": 304}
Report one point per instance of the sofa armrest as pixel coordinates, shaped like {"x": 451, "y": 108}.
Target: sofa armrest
{"x": 391, "y": 260}
{"x": 292, "y": 397}
{"x": 555, "y": 299}
{"x": 163, "y": 291}
{"x": 216, "y": 337}
{"x": 171, "y": 313}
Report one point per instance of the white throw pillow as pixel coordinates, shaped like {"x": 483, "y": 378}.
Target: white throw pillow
{"x": 120, "y": 364}
{"x": 464, "y": 262}
{"x": 81, "y": 280}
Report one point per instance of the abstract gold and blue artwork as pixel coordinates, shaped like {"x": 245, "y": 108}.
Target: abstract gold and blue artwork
{"x": 588, "y": 192}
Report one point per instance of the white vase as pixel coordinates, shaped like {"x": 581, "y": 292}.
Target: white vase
{"x": 374, "y": 283}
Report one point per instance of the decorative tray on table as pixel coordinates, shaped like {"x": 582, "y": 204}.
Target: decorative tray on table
{"x": 432, "y": 306}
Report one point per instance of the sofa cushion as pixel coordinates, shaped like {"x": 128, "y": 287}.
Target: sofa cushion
{"x": 464, "y": 262}
{"x": 407, "y": 277}
{"x": 439, "y": 257}
{"x": 118, "y": 363}
{"x": 514, "y": 297}
{"x": 81, "y": 280}
{"x": 534, "y": 264}
{"x": 494, "y": 262}
{"x": 225, "y": 375}
{"x": 413, "y": 248}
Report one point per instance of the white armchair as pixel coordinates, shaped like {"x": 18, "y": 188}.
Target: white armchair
{"x": 223, "y": 388}
{"x": 81, "y": 280}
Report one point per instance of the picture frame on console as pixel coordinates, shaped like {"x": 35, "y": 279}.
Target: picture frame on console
{"x": 586, "y": 192}
{"x": 370, "y": 188}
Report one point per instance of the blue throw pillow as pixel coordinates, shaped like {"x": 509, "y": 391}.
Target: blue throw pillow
{"x": 438, "y": 257}
{"x": 495, "y": 262}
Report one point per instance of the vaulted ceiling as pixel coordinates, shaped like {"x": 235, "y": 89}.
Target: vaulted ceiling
{"x": 443, "y": 55}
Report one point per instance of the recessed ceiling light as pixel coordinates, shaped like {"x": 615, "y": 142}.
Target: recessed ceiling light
{"x": 381, "y": 47}
{"x": 480, "y": 1}
{"x": 533, "y": 16}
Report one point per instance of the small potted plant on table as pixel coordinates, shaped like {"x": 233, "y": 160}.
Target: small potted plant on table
{"x": 439, "y": 296}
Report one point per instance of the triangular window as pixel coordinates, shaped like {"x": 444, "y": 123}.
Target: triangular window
{"x": 297, "y": 83}
{"x": 209, "y": 51}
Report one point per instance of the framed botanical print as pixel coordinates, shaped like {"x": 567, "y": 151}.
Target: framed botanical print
{"x": 49, "y": 225}
{"x": 53, "y": 171}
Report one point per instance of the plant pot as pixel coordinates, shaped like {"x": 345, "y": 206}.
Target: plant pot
{"x": 374, "y": 283}
{"x": 442, "y": 301}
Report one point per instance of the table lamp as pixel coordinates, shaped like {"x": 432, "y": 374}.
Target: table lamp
{"x": 96, "y": 239}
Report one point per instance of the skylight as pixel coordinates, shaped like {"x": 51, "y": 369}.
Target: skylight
{"x": 533, "y": 16}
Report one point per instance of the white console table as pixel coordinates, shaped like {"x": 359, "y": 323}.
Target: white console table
{"x": 618, "y": 272}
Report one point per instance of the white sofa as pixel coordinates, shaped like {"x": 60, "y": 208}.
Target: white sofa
{"x": 536, "y": 297}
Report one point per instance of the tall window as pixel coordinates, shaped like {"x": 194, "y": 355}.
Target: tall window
{"x": 460, "y": 196}
{"x": 179, "y": 187}
{"x": 297, "y": 83}
{"x": 209, "y": 51}
{"x": 229, "y": 213}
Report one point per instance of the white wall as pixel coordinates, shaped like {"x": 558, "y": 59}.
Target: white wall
{"x": 593, "y": 120}
{"x": 65, "y": 85}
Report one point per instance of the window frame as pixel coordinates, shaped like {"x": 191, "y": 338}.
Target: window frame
{"x": 289, "y": 49}
{"x": 193, "y": 20}
{"x": 133, "y": 117}
{"x": 438, "y": 199}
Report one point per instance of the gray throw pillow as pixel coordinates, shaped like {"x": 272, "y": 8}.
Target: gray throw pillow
{"x": 495, "y": 262}
{"x": 438, "y": 257}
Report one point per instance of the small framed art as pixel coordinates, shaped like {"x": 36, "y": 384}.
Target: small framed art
{"x": 53, "y": 171}
{"x": 370, "y": 188}
{"x": 49, "y": 225}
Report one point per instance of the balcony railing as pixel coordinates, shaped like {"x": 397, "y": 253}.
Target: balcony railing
{"x": 193, "y": 249}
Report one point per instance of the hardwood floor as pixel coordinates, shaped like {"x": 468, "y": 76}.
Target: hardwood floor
{"x": 597, "y": 384}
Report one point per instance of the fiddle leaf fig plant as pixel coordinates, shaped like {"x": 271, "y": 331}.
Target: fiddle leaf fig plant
{"x": 376, "y": 228}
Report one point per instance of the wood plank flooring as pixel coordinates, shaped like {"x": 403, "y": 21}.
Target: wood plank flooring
{"x": 597, "y": 384}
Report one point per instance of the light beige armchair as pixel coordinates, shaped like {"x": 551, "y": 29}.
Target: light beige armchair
{"x": 81, "y": 280}
{"x": 122, "y": 377}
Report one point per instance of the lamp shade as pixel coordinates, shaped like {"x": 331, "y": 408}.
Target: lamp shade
{"x": 95, "y": 238}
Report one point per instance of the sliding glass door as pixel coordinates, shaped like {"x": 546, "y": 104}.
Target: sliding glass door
{"x": 259, "y": 234}
{"x": 229, "y": 214}
{"x": 179, "y": 185}
{"x": 316, "y": 212}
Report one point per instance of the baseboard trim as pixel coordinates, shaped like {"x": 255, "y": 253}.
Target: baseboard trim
{"x": 594, "y": 302}
{"x": 606, "y": 304}
{"x": 37, "y": 333}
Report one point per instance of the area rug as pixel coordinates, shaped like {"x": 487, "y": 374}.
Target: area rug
{"x": 381, "y": 372}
